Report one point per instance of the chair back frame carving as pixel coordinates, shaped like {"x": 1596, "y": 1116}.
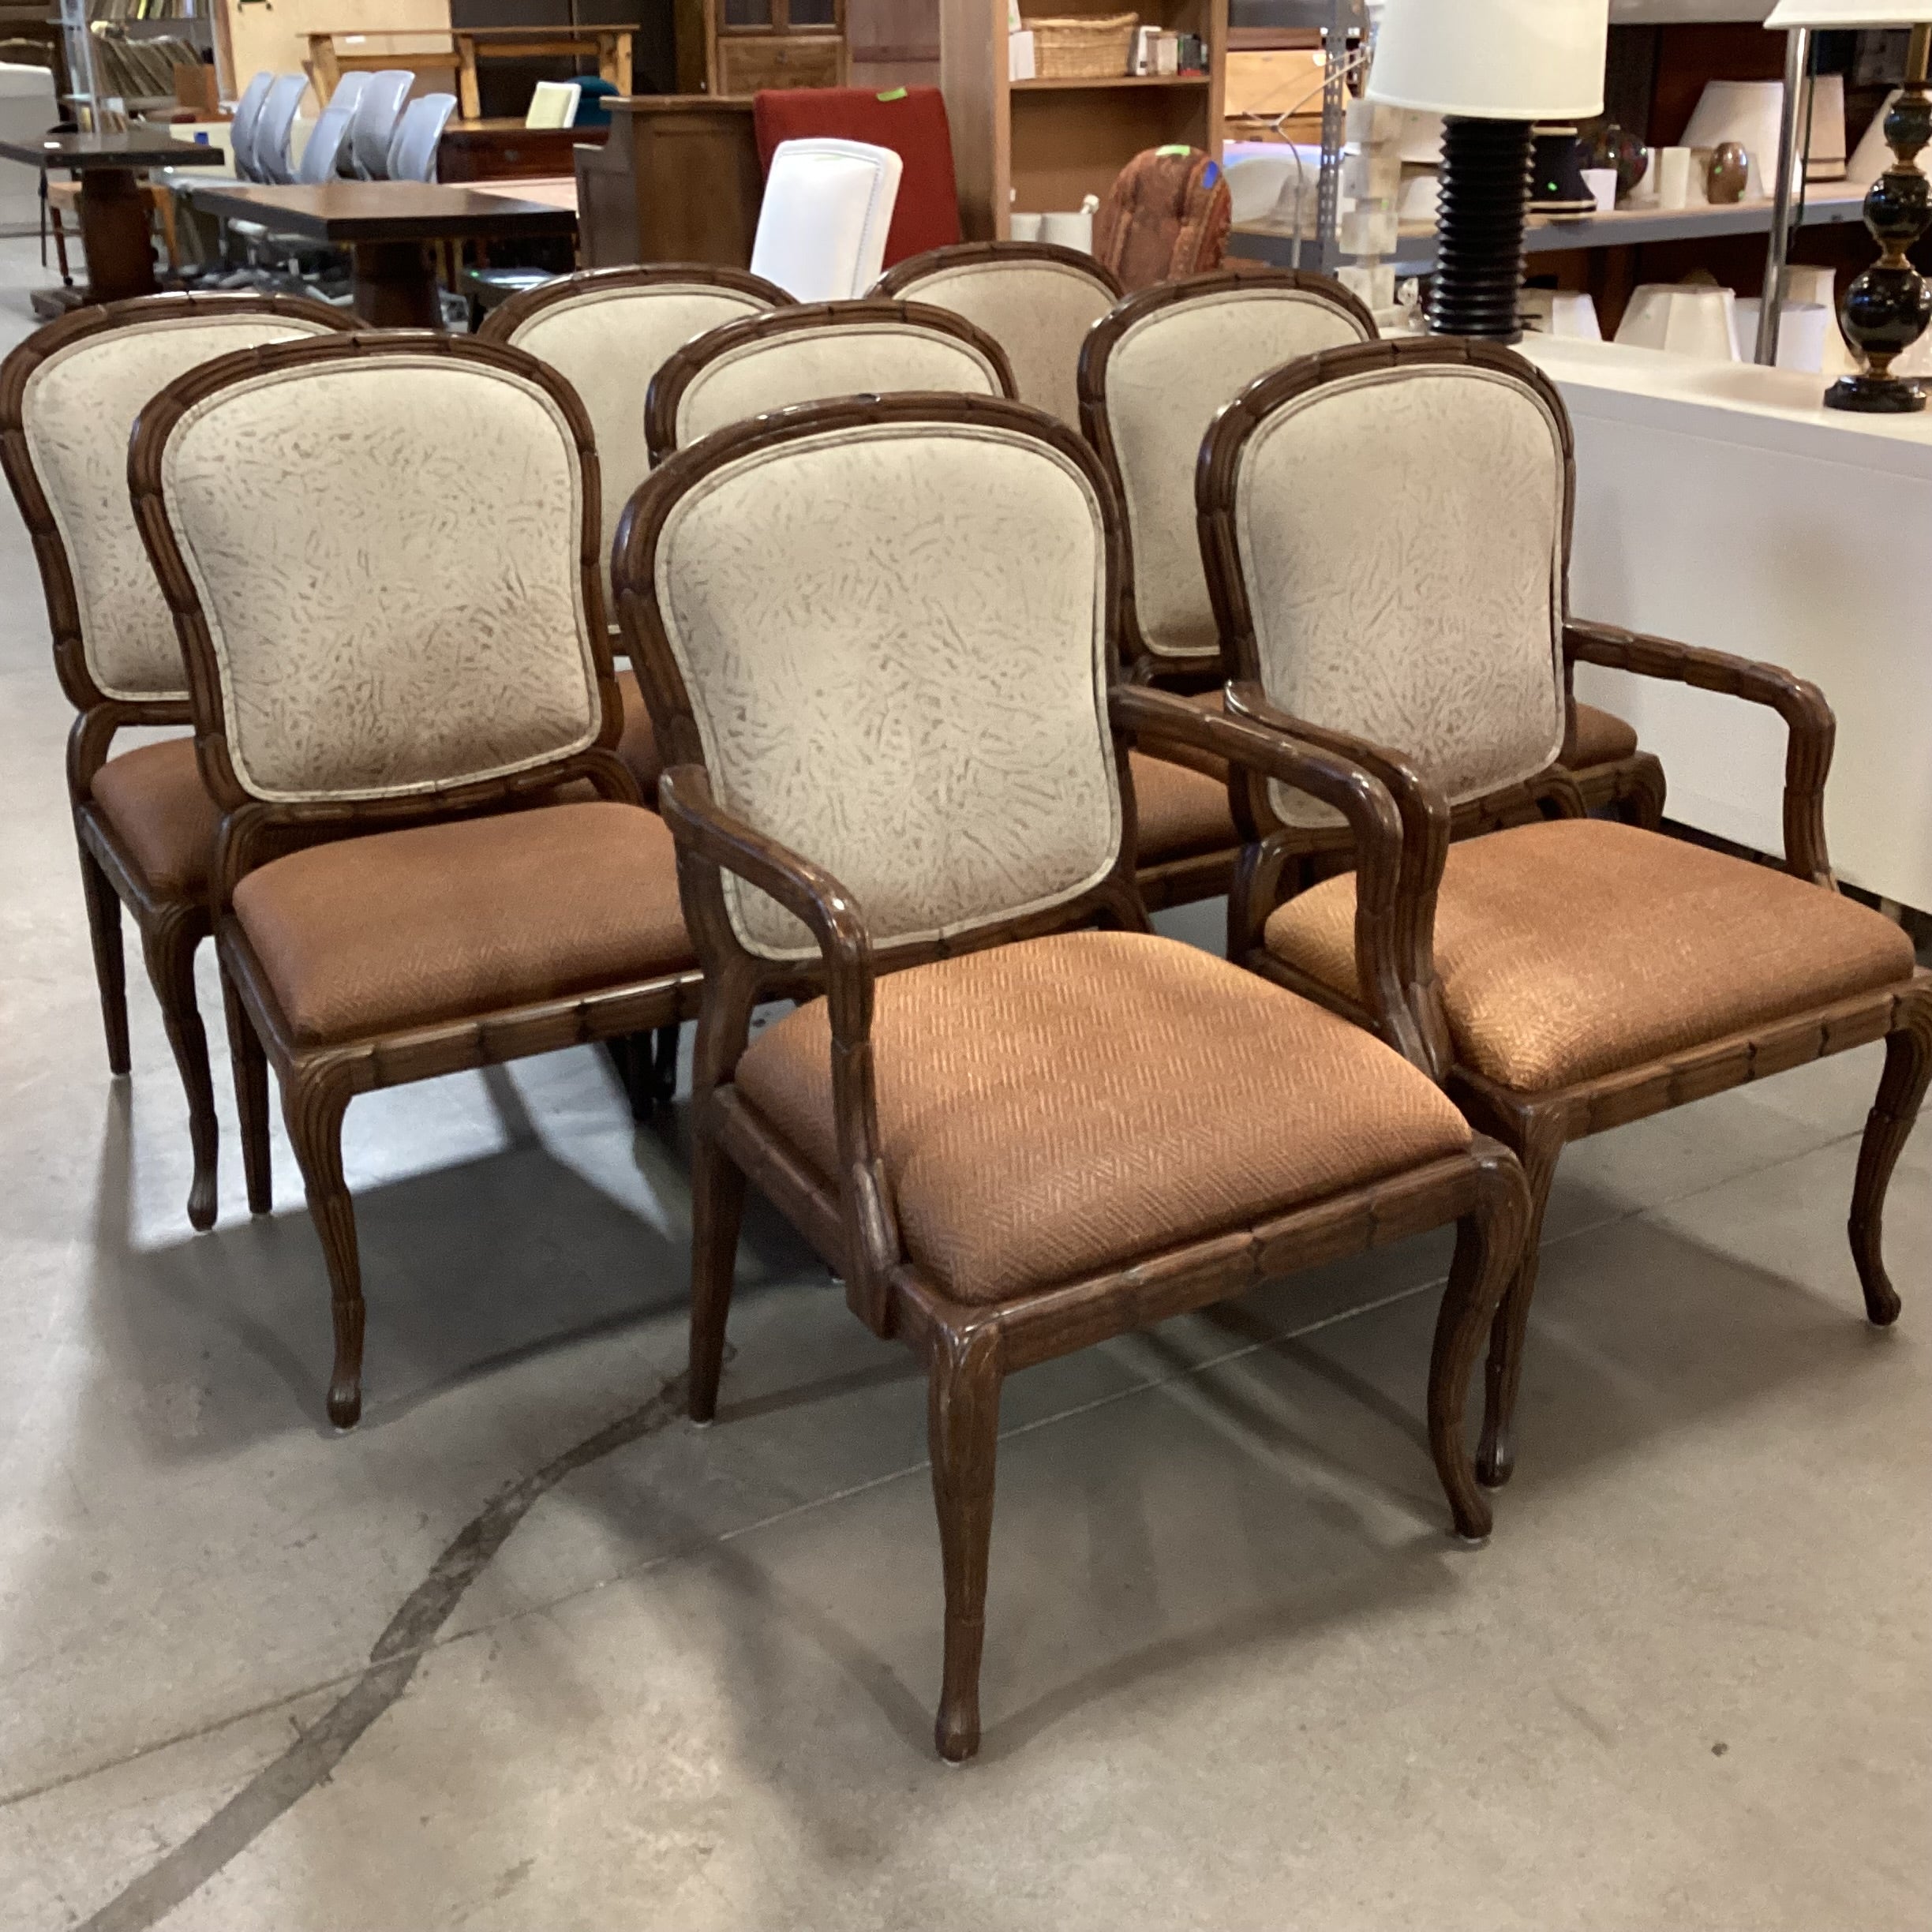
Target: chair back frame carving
{"x": 503, "y": 322}
{"x": 900, "y": 282}
{"x": 668, "y": 385}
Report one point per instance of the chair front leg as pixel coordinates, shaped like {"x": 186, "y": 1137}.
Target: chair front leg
{"x": 1488, "y": 1251}
{"x": 1902, "y": 1088}
{"x": 717, "y": 1210}
{"x": 103, "y": 912}
{"x": 962, "y": 1424}
{"x": 314, "y": 1099}
{"x": 169, "y": 945}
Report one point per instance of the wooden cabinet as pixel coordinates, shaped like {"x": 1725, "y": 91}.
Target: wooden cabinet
{"x": 745, "y": 45}
{"x": 678, "y": 181}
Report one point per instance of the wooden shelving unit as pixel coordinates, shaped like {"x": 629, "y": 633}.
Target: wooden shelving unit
{"x": 1043, "y": 145}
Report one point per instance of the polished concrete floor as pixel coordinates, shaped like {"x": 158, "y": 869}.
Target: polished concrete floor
{"x": 525, "y": 1650}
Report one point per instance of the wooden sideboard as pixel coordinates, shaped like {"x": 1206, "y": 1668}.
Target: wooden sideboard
{"x": 678, "y": 181}
{"x": 506, "y": 150}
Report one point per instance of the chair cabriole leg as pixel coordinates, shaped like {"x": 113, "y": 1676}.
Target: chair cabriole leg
{"x": 251, "y": 1087}
{"x": 103, "y": 910}
{"x": 717, "y": 1207}
{"x": 168, "y": 946}
{"x": 1901, "y": 1088}
{"x": 962, "y": 1422}
{"x": 1488, "y": 1251}
{"x": 1542, "y": 1144}
{"x": 313, "y": 1102}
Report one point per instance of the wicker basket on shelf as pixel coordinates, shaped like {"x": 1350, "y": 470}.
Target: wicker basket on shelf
{"x": 1076, "y": 49}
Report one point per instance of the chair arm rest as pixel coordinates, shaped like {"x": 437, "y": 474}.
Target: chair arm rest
{"x": 1813, "y": 729}
{"x": 1274, "y": 751}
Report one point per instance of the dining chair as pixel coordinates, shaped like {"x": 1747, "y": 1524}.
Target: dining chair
{"x": 377, "y": 111}
{"x": 1035, "y": 300}
{"x": 608, "y": 332}
{"x": 328, "y": 142}
{"x": 1165, "y": 215}
{"x": 380, "y": 679}
{"x": 247, "y": 116}
{"x": 145, "y": 825}
{"x": 268, "y": 152}
{"x": 1012, "y": 1120}
{"x": 412, "y": 147}
{"x": 826, "y": 211}
{"x": 1572, "y": 974}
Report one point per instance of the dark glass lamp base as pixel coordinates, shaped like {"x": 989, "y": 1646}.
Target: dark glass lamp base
{"x": 1875, "y": 395}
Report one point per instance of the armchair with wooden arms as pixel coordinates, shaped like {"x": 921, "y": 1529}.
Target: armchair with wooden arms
{"x": 879, "y": 639}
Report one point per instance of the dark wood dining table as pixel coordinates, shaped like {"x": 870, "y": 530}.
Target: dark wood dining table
{"x": 387, "y": 226}
{"x": 115, "y": 225}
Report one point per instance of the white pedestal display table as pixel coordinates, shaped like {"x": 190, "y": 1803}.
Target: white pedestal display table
{"x": 1720, "y": 504}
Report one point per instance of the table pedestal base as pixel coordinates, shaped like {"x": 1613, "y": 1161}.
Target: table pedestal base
{"x": 395, "y": 286}
{"x": 113, "y": 231}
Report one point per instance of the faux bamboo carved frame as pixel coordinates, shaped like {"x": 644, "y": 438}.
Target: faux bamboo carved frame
{"x": 901, "y": 281}
{"x": 318, "y": 1081}
{"x": 501, "y": 324}
{"x": 668, "y": 385}
{"x": 851, "y": 1216}
{"x": 1537, "y": 1125}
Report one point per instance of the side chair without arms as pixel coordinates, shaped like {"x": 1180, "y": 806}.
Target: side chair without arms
{"x": 607, "y": 332}
{"x": 382, "y": 913}
{"x": 1570, "y": 974}
{"x": 1187, "y": 841}
{"x": 69, "y": 397}
{"x": 1035, "y": 300}
{"x": 879, "y": 636}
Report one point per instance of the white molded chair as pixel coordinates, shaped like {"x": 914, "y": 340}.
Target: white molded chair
{"x": 247, "y": 118}
{"x": 375, "y": 125}
{"x": 412, "y": 147}
{"x": 322, "y": 159}
{"x": 821, "y": 229}
{"x": 268, "y": 156}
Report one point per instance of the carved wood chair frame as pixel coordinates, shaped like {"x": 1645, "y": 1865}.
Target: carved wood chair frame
{"x": 318, "y": 1082}
{"x": 851, "y": 1220}
{"x": 172, "y": 925}
{"x": 1537, "y": 1126}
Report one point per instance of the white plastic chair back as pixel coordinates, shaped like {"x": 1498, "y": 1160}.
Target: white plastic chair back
{"x": 247, "y": 118}
{"x": 349, "y": 91}
{"x": 821, "y": 229}
{"x": 375, "y": 123}
{"x": 269, "y": 154}
{"x": 553, "y": 104}
{"x": 413, "y": 148}
{"x": 322, "y": 158}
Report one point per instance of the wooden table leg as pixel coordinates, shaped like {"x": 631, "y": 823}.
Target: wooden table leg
{"x": 469, "y": 95}
{"x": 396, "y": 287}
{"x": 114, "y": 230}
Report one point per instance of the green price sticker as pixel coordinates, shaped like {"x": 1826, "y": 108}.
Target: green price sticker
{"x": 893, "y": 94}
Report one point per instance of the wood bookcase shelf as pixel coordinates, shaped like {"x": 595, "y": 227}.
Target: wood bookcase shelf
{"x": 1043, "y": 145}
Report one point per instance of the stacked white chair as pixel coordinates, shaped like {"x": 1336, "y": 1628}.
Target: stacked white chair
{"x": 375, "y": 123}
{"x": 412, "y": 147}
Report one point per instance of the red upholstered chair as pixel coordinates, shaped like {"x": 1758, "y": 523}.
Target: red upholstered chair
{"x": 1166, "y": 215}
{"x": 911, "y": 121}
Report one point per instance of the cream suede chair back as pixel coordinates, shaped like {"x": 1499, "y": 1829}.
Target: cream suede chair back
{"x": 812, "y": 353}
{"x": 70, "y": 408}
{"x": 361, "y": 642}
{"x": 1036, "y": 300}
{"x": 884, "y": 624}
{"x": 1390, "y": 525}
{"x": 1151, "y": 378}
{"x": 607, "y": 332}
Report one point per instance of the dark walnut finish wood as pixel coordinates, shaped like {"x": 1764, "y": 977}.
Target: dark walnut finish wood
{"x": 318, "y": 1082}
{"x": 172, "y": 925}
{"x": 968, "y": 1350}
{"x": 503, "y": 322}
{"x": 1537, "y": 1126}
{"x": 678, "y": 181}
{"x": 668, "y": 385}
{"x": 386, "y": 227}
{"x": 904, "y": 278}
{"x": 506, "y": 150}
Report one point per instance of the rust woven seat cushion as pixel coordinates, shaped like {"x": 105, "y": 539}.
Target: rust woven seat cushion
{"x": 1579, "y": 947}
{"x": 1602, "y": 738}
{"x": 154, "y": 799}
{"x": 1180, "y": 811}
{"x": 373, "y": 935}
{"x": 1053, "y": 1109}
{"x": 638, "y": 748}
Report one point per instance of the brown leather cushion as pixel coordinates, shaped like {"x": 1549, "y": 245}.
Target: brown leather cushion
{"x": 154, "y": 799}
{"x": 638, "y": 748}
{"x": 372, "y": 935}
{"x": 1180, "y": 811}
{"x": 1579, "y": 947}
{"x": 1602, "y": 738}
{"x": 1050, "y": 1110}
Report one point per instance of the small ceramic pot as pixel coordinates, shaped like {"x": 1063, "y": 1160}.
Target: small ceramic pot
{"x": 1725, "y": 178}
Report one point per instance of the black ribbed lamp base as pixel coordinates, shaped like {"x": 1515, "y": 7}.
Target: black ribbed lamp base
{"x": 1479, "y": 229}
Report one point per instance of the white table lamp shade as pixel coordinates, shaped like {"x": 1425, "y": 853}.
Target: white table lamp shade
{"x": 1849, "y": 14}
{"x": 1494, "y": 60}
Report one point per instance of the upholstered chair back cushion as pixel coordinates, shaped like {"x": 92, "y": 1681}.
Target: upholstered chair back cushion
{"x": 1165, "y": 379}
{"x": 389, "y": 556}
{"x": 893, "y": 638}
{"x": 76, "y": 410}
{"x": 1038, "y": 311}
{"x": 1402, "y": 540}
{"x": 811, "y": 366}
{"x": 607, "y": 343}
